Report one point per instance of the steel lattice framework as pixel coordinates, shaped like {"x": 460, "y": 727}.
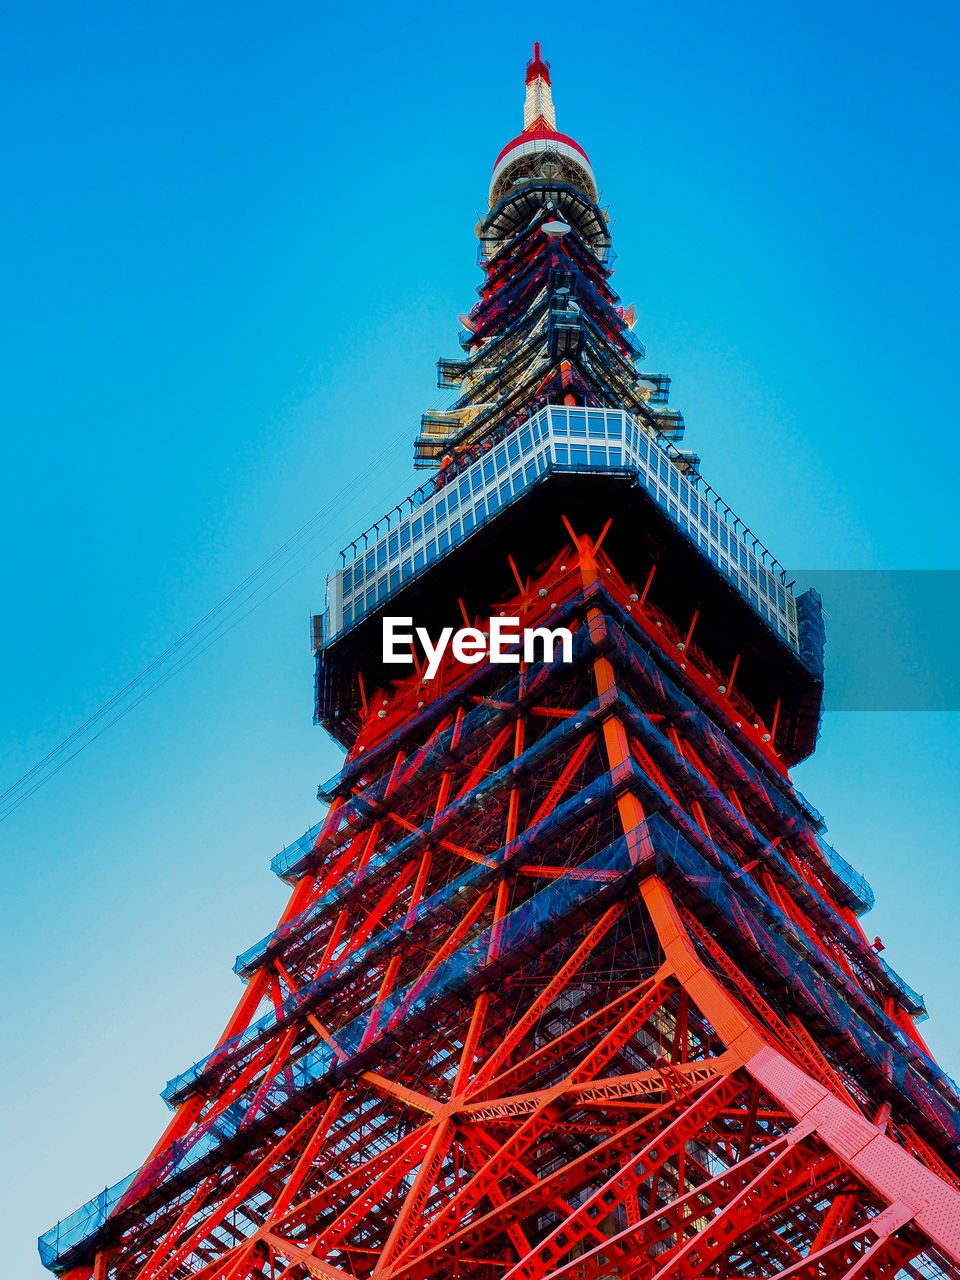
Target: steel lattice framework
{"x": 568, "y": 984}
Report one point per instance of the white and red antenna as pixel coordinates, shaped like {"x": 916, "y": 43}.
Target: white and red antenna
{"x": 539, "y": 136}
{"x": 538, "y": 110}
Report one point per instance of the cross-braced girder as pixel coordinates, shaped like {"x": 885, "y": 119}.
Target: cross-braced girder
{"x": 498, "y": 1034}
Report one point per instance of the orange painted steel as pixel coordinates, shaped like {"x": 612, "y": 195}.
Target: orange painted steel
{"x": 625, "y": 1099}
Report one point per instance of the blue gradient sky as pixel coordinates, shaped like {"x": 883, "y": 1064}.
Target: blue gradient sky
{"x": 235, "y": 239}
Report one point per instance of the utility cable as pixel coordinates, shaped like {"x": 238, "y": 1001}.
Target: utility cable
{"x": 205, "y": 632}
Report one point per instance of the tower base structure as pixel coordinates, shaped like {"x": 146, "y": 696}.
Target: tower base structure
{"x": 569, "y": 986}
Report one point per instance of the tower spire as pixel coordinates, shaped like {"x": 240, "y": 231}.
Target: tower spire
{"x": 524, "y": 155}
{"x": 538, "y": 112}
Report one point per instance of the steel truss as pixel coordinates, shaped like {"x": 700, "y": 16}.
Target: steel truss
{"x": 504, "y": 1030}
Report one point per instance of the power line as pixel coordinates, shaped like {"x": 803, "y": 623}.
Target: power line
{"x": 204, "y": 633}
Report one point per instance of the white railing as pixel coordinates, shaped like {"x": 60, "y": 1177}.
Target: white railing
{"x": 434, "y": 519}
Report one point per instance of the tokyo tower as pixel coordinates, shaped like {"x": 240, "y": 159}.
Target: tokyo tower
{"x": 569, "y": 984}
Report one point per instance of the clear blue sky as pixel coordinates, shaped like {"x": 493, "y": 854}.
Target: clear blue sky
{"x": 235, "y": 239}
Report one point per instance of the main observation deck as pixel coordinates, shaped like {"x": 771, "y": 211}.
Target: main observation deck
{"x": 432, "y": 520}
{"x": 442, "y": 553}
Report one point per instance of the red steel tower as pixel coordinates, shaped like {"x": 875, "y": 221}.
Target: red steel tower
{"x": 569, "y": 983}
